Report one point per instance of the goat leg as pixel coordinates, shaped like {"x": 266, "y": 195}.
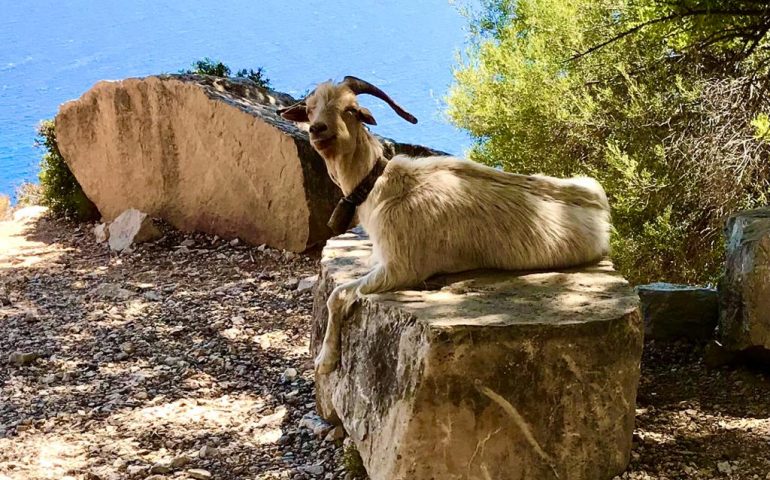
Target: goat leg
{"x": 340, "y": 304}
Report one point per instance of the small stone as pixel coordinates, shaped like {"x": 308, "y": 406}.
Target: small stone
{"x": 724, "y": 467}
{"x": 180, "y": 461}
{"x": 336, "y": 433}
{"x": 152, "y": 296}
{"x": 234, "y": 242}
{"x": 272, "y": 419}
{"x": 142, "y": 396}
{"x": 199, "y": 474}
{"x": 189, "y": 242}
{"x": 160, "y": 467}
{"x": 307, "y": 284}
{"x": 50, "y": 378}
{"x": 128, "y": 348}
{"x": 207, "y": 452}
{"x": 291, "y": 284}
{"x": 314, "y": 469}
{"x": 131, "y": 227}
{"x": 101, "y": 233}
{"x": 288, "y": 375}
{"x": 111, "y": 291}
{"x": 23, "y": 359}
{"x": 315, "y": 424}
{"x": 155, "y": 477}
{"x": 135, "y": 469}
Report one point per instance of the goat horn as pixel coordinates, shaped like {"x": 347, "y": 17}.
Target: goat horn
{"x": 359, "y": 86}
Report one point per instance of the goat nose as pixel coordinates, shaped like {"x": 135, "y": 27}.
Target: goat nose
{"x": 318, "y": 128}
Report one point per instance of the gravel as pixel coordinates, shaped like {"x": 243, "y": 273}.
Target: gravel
{"x": 188, "y": 358}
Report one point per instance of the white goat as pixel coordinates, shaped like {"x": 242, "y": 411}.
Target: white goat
{"x": 442, "y": 214}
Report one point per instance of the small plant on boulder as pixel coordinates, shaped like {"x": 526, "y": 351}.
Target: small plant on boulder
{"x": 215, "y": 68}
{"x": 257, "y": 76}
{"x": 60, "y": 190}
{"x": 208, "y": 66}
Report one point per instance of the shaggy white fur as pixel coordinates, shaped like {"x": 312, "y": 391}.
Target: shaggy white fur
{"x": 443, "y": 214}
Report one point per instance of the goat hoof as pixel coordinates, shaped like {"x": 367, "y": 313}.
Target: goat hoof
{"x": 325, "y": 363}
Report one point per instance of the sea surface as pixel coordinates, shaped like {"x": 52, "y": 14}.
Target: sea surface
{"x": 52, "y": 51}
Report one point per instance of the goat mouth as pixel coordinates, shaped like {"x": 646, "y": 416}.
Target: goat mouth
{"x": 323, "y": 143}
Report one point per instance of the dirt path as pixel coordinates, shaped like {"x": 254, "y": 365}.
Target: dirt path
{"x": 178, "y": 362}
{"x": 191, "y": 362}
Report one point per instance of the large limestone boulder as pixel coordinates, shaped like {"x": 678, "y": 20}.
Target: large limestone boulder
{"x": 744, "y": 293}
{"x": 485, "y": 375}
{"x": 205, "y": 154}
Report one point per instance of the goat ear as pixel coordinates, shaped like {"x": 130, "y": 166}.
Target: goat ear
{"x": 295, "y": 113}
{"x": 365, "y": 116}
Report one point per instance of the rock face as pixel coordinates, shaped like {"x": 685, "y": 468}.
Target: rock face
{"x": 485, "y": 375}
{"x": 678, "y": 311}
{"x": 131, "y": 227}
{"x": 203, "y": 153}
{"x": 744, "y": 294}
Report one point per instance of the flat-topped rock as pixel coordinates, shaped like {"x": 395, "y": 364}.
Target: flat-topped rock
{"x": 484, "y": 374}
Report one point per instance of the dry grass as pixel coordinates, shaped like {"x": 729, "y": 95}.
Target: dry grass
{"x": 5, "y": 207}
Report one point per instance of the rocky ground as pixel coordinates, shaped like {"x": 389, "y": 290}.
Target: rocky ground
{"x": 188, "y": 358}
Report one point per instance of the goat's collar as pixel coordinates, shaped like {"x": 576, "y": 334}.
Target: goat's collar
{"x": 343, "y": 213}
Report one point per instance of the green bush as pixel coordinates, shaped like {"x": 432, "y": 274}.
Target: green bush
{"x": 207, "y": 66}
{"x": 60, "y": 191}
{"x": 676, "y": 134}
{"x": 259, "y": 77}
{"x": 215, "y": 68}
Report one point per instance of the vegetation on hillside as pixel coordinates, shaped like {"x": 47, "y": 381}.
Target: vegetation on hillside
{"x": 664, "y": 101}
{"x": 59, "y": 189}
{"x": 216, "y": 68}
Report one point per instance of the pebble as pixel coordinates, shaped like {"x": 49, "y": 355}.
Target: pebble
{"x": 336, "y": 433}
{"x": 314, "y": 469}
{"x": 180, "y": 461}
{"x": 288, "y": 375}
{"x": 128, "y": 348}
{"x": 315, "y": 424}
{"x": 23, "y": 359}
{"x": 307, "y": 284}
{"x": 207, "y": 452}
{"x": 199, "y": 474}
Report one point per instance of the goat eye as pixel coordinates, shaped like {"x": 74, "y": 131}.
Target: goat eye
{"x": 350, "y": 110}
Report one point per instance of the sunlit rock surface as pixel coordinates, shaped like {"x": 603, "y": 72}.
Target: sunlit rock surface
{"x": 487, "y": 375}
{"x": 744, "y": 292}
{"x": 204, "y": 153}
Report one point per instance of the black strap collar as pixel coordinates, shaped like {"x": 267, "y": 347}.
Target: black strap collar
{"x": 345, "y": 210}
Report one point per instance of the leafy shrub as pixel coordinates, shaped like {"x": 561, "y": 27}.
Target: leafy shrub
{"x": 207, "y": 66}
{"x": 677, "y": 135}
{"x": 60, "y": 190}
{"x": 215, "y": 68}
{"x": 259, "y": 77}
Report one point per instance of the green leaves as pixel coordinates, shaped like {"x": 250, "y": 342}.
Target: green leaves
{"x": 60, "y": 190}
{"x": 656, "y": 112}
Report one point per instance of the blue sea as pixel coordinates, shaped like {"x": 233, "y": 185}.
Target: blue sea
{"x": 52, "y": 51}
